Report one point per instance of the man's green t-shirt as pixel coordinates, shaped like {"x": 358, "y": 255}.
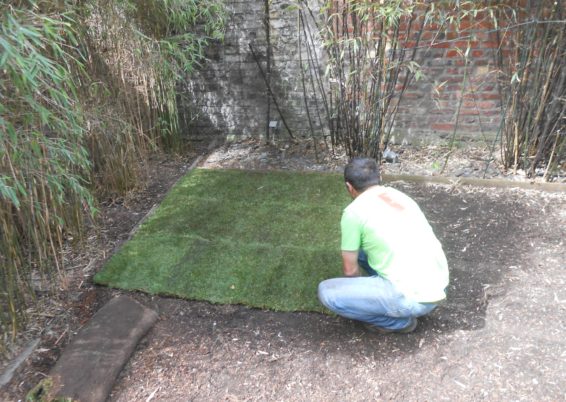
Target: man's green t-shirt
{"x": 401, "y": 246}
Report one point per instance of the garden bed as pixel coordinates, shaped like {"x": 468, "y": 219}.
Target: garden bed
{"x": 498, "y": 337}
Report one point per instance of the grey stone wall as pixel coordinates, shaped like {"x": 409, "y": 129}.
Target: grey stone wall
{"x": 228, "y": 96}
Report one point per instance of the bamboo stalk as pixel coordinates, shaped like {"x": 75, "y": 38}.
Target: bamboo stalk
{"x": 534, "y": 107}
{"x": 305, "y": 100}
{"x": 56, "y": 108}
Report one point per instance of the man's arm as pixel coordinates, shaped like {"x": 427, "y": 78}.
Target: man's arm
{"x": 350, "y": 263}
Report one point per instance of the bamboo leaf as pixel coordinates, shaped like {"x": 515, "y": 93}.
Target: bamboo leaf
{"x": 8, "y": 192}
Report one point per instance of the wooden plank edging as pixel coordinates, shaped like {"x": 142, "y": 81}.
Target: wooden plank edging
{"x": 471, "y": 181}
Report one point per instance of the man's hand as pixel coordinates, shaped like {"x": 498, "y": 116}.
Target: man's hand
{"x": 350, "y": 263}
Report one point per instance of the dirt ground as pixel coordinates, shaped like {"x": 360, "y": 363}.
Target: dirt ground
{"x": 499, "y": 336}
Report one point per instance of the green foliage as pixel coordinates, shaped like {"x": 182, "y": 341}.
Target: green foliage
{"x": 262, "y": 239}
{"x": 171, "y": 23}
{"x": 87, "y": 90}
{"x": 44, "y": 166}
{"x": 142, "y": 49}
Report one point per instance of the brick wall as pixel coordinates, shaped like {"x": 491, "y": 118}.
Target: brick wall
{"x": 459, "y": 93}
{"x": 229, "y": 96}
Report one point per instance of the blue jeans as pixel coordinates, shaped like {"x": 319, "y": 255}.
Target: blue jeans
{"x": 371, "y": 299}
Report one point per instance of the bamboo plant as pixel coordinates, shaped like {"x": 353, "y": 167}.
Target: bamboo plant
{"x": 87, "y": 90}
{"x": 374, "y": 52}
{"x": 44, "y": 166}
{"x": 532, "y": 62}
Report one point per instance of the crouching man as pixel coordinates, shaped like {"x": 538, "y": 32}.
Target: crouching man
{"x": 386, "y": 234}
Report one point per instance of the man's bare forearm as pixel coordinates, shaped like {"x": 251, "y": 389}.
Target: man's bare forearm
{"x": 350, "y": 263}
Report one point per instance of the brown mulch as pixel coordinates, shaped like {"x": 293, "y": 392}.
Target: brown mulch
{"x": 498, "y": 337}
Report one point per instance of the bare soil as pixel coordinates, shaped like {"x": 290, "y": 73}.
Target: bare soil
{"x": 499, "y": 336}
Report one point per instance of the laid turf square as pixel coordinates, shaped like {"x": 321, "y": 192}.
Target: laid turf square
{"x": 263, "y": 239}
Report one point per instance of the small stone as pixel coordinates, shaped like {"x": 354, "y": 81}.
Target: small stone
{"x": 390, "y": 156}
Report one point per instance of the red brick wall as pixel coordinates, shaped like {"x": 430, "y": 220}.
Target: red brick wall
{"x": 459, "y": 94}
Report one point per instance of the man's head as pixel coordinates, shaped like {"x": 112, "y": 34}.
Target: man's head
{"x": 360, "y": 174}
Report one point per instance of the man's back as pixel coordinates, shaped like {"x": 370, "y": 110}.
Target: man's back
{"x": 399, "y": 242}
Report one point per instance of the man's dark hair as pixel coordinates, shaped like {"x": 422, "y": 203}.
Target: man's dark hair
{"x": 362, "y": 173}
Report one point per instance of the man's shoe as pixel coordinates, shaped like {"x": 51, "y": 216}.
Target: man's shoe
{"x": 409, "y": 328}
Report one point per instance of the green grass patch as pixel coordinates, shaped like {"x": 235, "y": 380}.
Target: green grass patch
{"x": 263, "y": 239}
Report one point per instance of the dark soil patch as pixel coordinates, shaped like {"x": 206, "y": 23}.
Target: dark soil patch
{"x": 498, "y": 337}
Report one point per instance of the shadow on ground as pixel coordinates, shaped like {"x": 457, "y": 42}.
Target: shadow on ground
{"x": 479, "y": 234}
